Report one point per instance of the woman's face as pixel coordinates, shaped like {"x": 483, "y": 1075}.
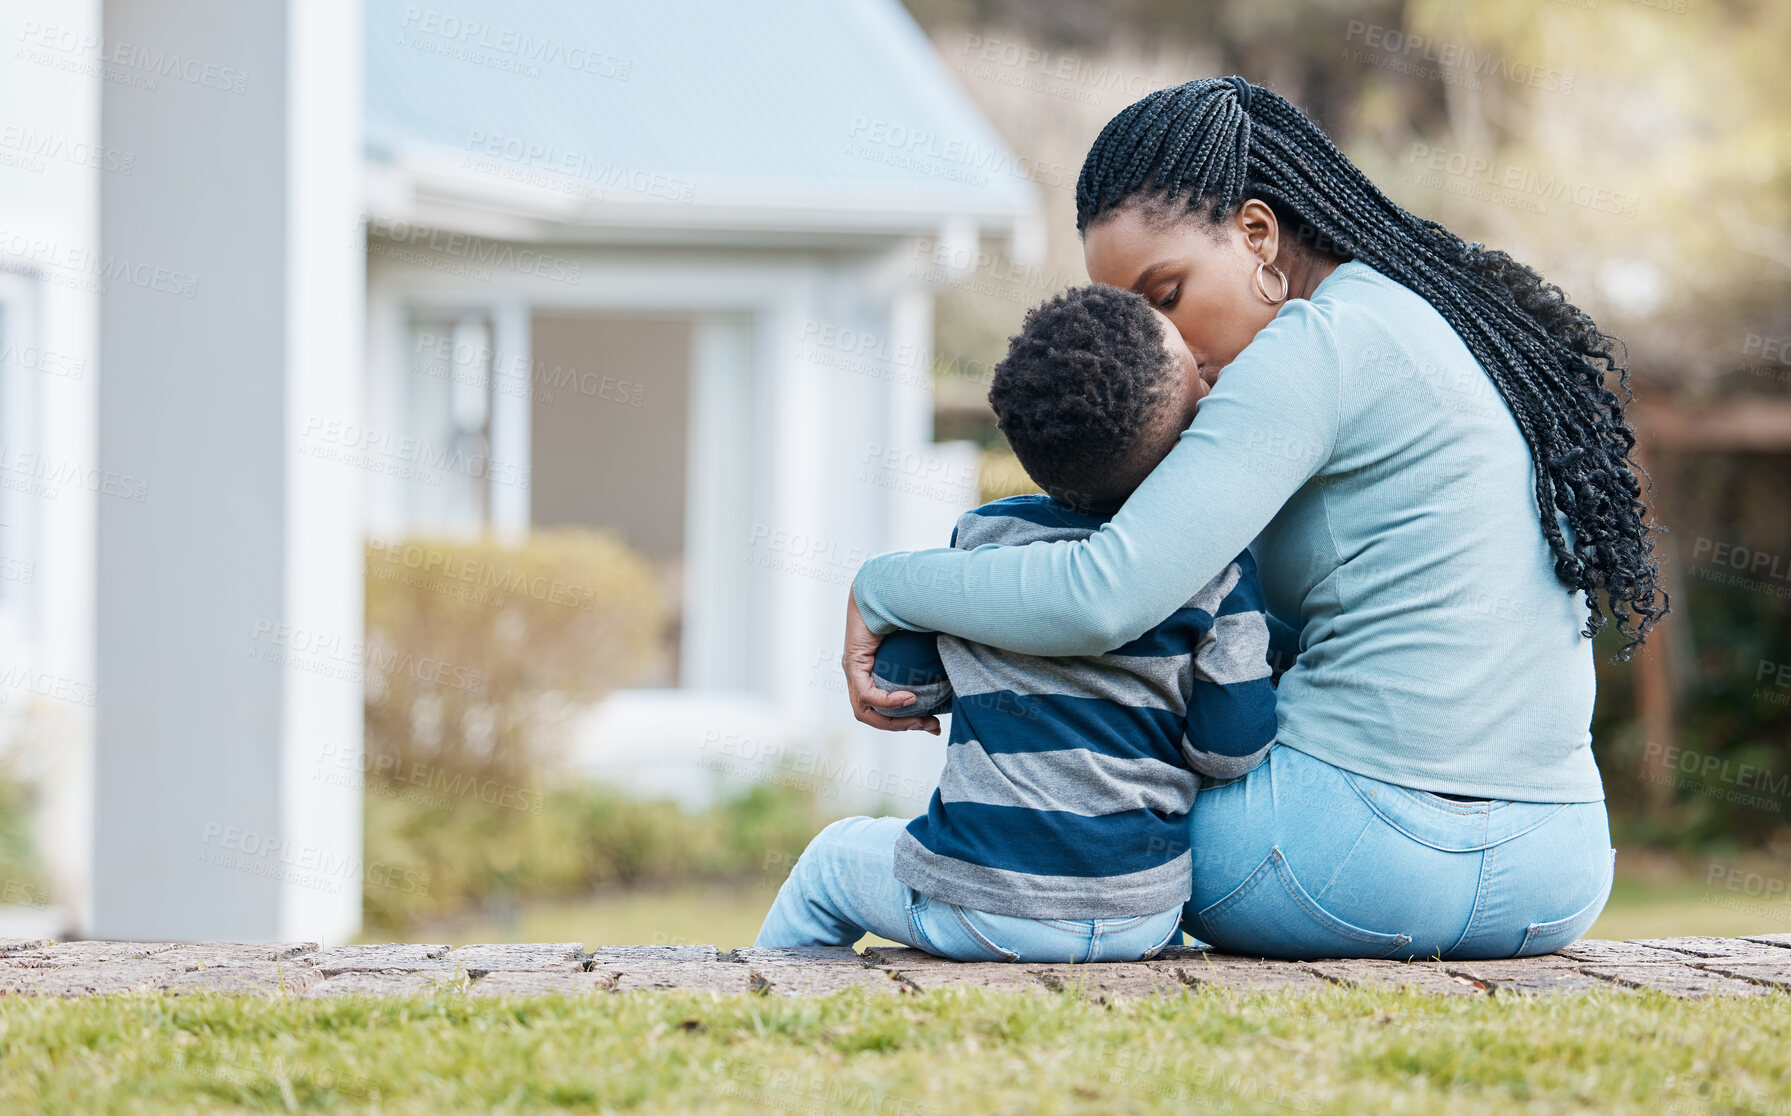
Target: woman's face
{"x": 1191, "y": 382}
{"x": 1201, "y": 277}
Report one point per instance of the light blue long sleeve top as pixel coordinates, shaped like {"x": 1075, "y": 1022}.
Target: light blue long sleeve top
{"x": 1361, "y": 453}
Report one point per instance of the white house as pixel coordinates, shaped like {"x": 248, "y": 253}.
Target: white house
{"x": 656, "y": 268}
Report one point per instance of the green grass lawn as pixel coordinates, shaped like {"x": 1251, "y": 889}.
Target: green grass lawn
{"x": 1653, "y": 899}
{"x": 970, "y": 1052}
{"x": 1334, "y": 1051}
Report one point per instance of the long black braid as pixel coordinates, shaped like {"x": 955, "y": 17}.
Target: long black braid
{"x": 1215, "y": 143}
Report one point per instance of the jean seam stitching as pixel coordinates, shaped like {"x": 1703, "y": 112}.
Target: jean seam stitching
{"x": 1174, "y": 929}
{"x": 1339, "y": 869}
{"x": 1002, "y": 951}
{"x": 1480, "y": 887}
{"x": 1509, "y": 837}
{"x": 1247, "y": 888}
{"x": 920, "y": 934}
{"x": 1289, "y": 883}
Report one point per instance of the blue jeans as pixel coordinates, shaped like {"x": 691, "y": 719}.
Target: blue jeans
{"x": 844, "y": 884}
{"x": 1302, "y": 860}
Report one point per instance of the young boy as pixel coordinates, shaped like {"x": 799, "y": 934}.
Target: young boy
{"x": 1059, "y": 829}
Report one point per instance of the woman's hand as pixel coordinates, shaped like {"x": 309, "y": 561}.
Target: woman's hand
{"x": 860, "y": 655}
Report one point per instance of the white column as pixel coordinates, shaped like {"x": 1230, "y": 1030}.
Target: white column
{"x": 512, "y": 362}
{"x": 229, "y": 600}
{"x": 391, "y": 353}
{"x": 468, "y": 498}
{"x": 719, "y": 510}
{"x": 803, "y": 555}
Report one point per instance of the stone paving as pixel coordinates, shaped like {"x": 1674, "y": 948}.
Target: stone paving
{"x": 1756, "y": 966}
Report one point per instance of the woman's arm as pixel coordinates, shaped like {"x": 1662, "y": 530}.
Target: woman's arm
{"x": 1268, "y": 426}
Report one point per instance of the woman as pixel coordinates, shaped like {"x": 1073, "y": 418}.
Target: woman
{"x": 1415, "y": 437}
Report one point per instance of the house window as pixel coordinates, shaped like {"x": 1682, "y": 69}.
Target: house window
{"x": 447, "y": 405}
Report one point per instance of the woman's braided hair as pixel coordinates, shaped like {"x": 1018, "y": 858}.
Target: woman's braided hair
{"x": 1217, "y": 142}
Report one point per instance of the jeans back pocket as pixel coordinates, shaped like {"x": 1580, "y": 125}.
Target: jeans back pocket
{"x": 1271, "y": 915}
{"x": 1547, "y": 937}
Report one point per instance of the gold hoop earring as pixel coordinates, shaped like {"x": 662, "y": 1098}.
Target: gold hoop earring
{"x": 1262, "y": 288}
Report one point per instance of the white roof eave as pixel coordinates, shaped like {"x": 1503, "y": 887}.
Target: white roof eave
{"x": 438, "y": 190}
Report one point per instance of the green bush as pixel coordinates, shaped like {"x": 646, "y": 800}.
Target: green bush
{"x": 470, "y": 855}
{"x": 21, "y": 878}
{"x": 479, "y": 654}
{"x": 1728, "y": 784}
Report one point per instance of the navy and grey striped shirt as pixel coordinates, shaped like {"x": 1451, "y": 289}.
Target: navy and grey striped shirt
{"x": 1068, "y": 781}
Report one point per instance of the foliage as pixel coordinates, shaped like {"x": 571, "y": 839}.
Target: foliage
{"x": 1727, "y": 778}
{"x": 965, "y": 1052}
{"x": 475, "y": 854}
{"x": 479, "y": 654}
{"x": 21, "y": 881}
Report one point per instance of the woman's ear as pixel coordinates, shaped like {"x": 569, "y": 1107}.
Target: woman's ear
{"x": 1262, "y": 233}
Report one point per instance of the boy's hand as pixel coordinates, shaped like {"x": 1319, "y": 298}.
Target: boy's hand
{"x": 860, "y": 655}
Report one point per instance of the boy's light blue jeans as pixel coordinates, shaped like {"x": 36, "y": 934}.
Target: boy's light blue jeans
{"x": 844, "y": 884}
{"x": 1301, "y": 859}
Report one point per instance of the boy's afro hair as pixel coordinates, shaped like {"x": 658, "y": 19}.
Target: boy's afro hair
{"x": 1076, "y": 393}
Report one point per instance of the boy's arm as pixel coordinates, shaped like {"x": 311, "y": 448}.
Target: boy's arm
{"x": 910, "y": 661}
{"x": 1284, "y": 646}
{"x": 1231, "y": 696}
